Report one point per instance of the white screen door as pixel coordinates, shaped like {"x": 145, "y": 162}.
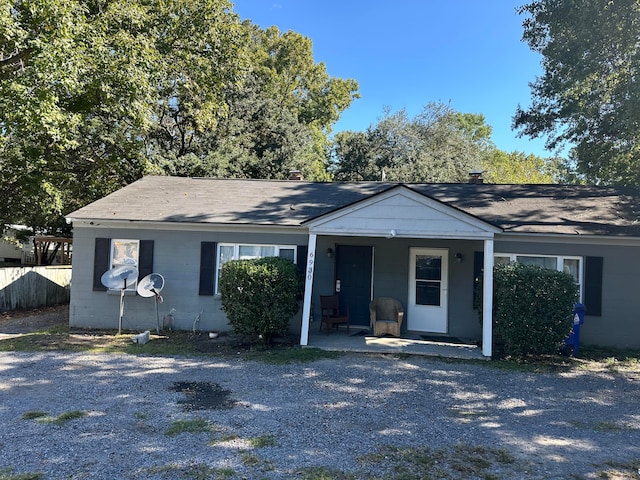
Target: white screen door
{"x": 428, "y": 290}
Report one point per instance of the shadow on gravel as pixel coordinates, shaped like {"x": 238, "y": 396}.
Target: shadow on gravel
{"x": 203, "y": 396}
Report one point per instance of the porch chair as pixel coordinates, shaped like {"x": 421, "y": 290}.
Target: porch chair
{"x": 331, "y": 314}
{"x": 386, "y": 316}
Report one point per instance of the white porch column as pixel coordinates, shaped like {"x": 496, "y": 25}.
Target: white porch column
{"x": 308, "y": 288}
{"x": 487, "y": 299}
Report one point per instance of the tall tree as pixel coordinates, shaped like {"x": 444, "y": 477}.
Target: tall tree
{"x": 96, "y": 93}
{"x": 280, "y": 117}
{"x": 517, "y": 167}
{"x": 438, "y": 145}
{"x": 589, "y": 92}
{"x": 86, "y": 86}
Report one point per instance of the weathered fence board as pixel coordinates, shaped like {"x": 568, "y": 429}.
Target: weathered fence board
{"x": 33, "y": 287}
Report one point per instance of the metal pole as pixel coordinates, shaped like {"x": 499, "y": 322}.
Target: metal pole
{"x": 157, "y": 317}
{"x": 121, "y": 310}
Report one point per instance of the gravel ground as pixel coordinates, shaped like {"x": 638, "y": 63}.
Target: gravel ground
{"x": 344, "y": 415}
{"x": 355, "y": 417}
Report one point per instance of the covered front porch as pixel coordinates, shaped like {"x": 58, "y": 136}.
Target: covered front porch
{"x": 408, "y": 344}
{"x": 416, "y": 250}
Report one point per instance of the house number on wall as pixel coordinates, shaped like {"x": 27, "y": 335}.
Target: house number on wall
{"x": 310, "y": 266}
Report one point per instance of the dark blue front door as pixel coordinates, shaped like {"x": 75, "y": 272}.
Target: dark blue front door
{"x": 353, "y": 270}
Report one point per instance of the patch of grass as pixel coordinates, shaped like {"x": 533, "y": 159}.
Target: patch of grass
{"x": 609, "y": 427}
{"x": 263, "y": 441}
{"x": 68, "y": 416}
{"x": 250, "y": 460}
{"x": 467, "y": 413}
{"x": 223, "y": 438}
{"x": 188, "y": 426}
{"x": 590, "y": 358}
{"x": 187, "y": 343}
{"x": 198, "y": 471}
{"x": 33, "y": 414}
{"x": 202, "y": 471}
{"x": 7, "y": 474}
{"x": 601, "y": 426}
{"x": 60, "y": 420}
{"x": 323, "y": 473}
{"x": 476, "y": 460}
{"x": 175, "y": 342}
{"x": 621, "y": 471}
{"x": 458, "y": 462}
{"x": 61, "y": 338}
{"x": 281, "y": 355}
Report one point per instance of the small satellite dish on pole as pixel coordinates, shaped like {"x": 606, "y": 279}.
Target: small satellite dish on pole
{"x": 118, "y": 278}
{"x": 151, "y": 286}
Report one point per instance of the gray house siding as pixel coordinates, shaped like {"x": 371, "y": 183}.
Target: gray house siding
{"x": 619, "y": 322}
{"x": 391, "y": 276}
{"x": 176, "y": 256}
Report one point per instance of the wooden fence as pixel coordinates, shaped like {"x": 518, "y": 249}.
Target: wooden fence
{"x": 34, "y": 287}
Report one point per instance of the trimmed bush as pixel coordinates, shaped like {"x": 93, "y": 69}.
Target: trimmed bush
{"x": 532, "y": 308}
{"x": 259, "y": 296}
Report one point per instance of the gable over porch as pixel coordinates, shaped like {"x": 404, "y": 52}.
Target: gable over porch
{"x": 411, "y": 238}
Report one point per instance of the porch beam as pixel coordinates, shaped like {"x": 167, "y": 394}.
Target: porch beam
{"x": 487, "y": 299}
{"x": 308, "y": 288}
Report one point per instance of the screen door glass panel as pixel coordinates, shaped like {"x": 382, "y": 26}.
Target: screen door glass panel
{"x": 428, "y": 279}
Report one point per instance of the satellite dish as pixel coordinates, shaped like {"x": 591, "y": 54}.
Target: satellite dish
{"x": 151, "y": 285}
{"x": 120, "y": 277}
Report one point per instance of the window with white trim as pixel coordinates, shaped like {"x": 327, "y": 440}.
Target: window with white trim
{"x": 567, "y": 264}
{"x": 245, "y": 251}
{"x": 125, "y": 252}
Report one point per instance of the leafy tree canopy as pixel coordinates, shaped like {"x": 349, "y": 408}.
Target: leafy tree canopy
{"x": 589, "y": 93}
{"x": 96, "y": 93}
{"x": 517, "y": 167}
{"x": 438, "y": 145}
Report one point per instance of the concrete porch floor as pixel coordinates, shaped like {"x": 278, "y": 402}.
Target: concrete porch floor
{"x": 410, "y": 344}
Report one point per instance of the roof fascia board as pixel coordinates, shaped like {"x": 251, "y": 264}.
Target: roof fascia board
{"x": 186, "y": 226}
{"x": 403, "y": 234}
{"x": 569, "y": 239}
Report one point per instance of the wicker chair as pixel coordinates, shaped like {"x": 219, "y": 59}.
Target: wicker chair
{"x": 332, "y": 315}
{"x": 386, "y": 315}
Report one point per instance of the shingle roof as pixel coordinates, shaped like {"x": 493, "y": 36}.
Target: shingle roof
{"x": 564, "y": 209}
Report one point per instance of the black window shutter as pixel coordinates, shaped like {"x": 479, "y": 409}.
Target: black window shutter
{"x": 478, "y": 271}
{"x": 145, "y": 258}
{"x": 593, "y": 285}
{"x": 100, "y": 262}
{"x": 301, "y": 258}
{"x": 207, "y": 268}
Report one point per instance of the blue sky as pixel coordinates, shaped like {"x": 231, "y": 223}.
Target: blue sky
{"x": 407, "y": 53}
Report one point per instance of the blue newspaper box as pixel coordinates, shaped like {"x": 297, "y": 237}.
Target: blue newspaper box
{"x": 572, "y": 342}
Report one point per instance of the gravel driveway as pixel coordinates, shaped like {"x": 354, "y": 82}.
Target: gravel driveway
{"x": 354, "y": 417}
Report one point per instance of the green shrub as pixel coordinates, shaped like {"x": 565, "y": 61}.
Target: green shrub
{"x": 259, "y": 296}
{"x": 532, "y": 308}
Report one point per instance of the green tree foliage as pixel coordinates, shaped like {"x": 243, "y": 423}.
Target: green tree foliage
{"x": 517, "y": 167}
{"x": 260, "y": 296}
{"x": 96, "y": 93}
{"x": 532, "y": 308}
{"x": 90, "y": 89}
{"x": 280, "y": 117}
{"x": 589, "y": 93}
{"x": 438, "y": 145}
